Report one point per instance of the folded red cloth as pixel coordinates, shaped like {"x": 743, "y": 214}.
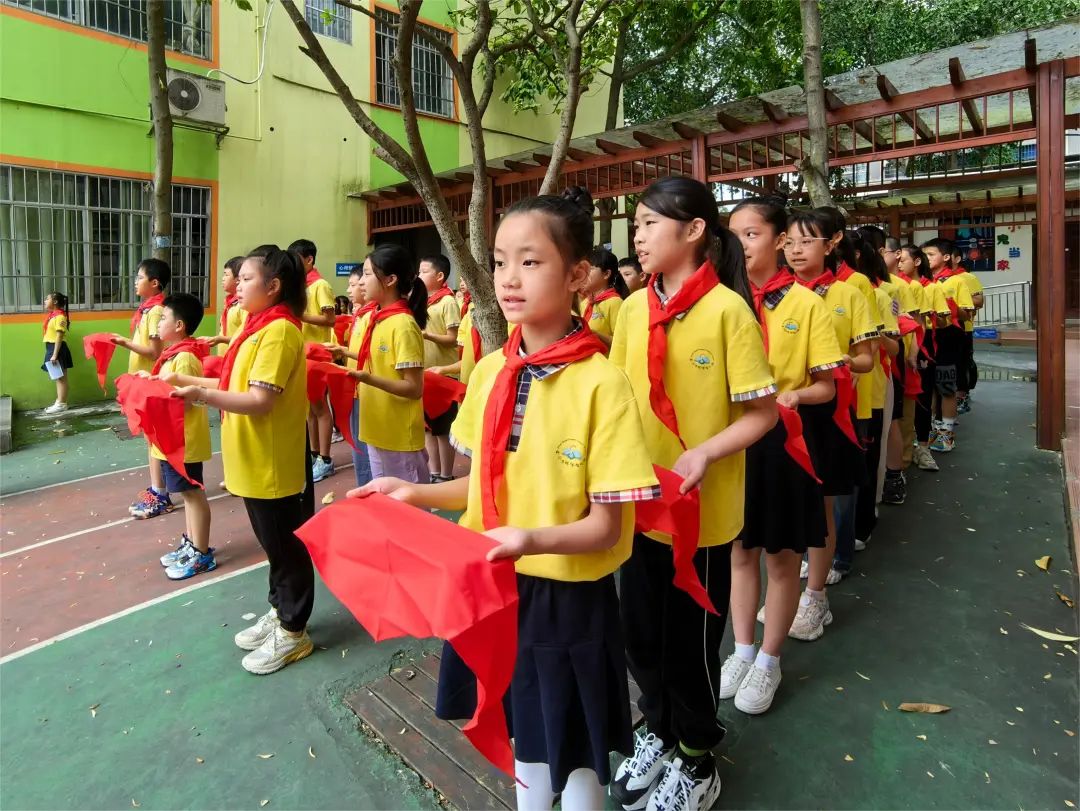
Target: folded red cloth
{"x": 410, "y": 573}
{"x": 151, "y": 409}
{"x": 324, "y": 378}
{"x": 99, "y": 347}
{"x": 441, "y": 392}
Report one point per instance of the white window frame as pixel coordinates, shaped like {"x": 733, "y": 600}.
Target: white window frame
{"x": 338, "y": 27}
{"x": 433, "y": 83}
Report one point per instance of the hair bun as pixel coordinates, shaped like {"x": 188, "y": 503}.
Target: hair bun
{"x": 579, "y": 196}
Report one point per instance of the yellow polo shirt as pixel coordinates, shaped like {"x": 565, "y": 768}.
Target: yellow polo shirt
{"x": 889, "y": 309}
{"x": 264, "y": 455}
{"x": 55, "y": 330}
{"x": 974, "y": 288}
{"x": 146, "y": 329}
{"x": 235, "y": 318}
{"x": 958, "y": 292}
{"x": 389, "y": 422}
{"x": 908, "y": 302}
{"x": 715, "y": 361}
{"x": 443, "y": 315}
{"x": 605, "y": 316}
{"x": 802, "y": 339}
{"x": 850, "y": 315}
{"x": 196, "y": 418}
{"x": 580, "y": 442}
{"x": 320, "y": 299}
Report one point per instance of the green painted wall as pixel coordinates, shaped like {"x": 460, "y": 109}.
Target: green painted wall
{"x": 440, "y": 139}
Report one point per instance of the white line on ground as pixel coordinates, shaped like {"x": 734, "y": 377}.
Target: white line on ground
{"x": 76, "y": 481}
{"x": 130, "y": 610}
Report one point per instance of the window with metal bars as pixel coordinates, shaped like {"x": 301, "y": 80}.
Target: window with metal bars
{"x": 187, "y": 22}
{"x": 433, "y": 84}
{"x": 327, "y": 18}
{"x": 85, "y": 234}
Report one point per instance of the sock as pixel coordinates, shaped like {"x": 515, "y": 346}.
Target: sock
{"x": 892, "y": 474}
{"x": 692, "y": 753}
{"x": 582, "y": 790}
{"x": 810, "y": 594}
{"x": 766, "y": 662}
{"x": 538, "y": 795}
{"x": 744, "y": 652}
{"x": 326, "y": 459}
{"x": 159, "y": 491}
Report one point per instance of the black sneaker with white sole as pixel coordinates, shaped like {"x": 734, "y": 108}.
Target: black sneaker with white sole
{"x": 894, "y": 491}
{"x": 638, "y": 775}
{"x": 688, "y": 784}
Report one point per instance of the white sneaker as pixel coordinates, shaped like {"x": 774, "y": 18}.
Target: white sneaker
{"x": 691, "y": 786}
{"x": 810, "y": 620}
{"x": 860, "y": 546}
{"x": 732, "y": 674}
{"x": 56, "y": 408}
{"x": 925, "y": 460}
{"x": 637, "y": 776}
{"x": 280, "y": 648}
{"x": 834, "y": 576}
{"x": 761, "y": 615}
{"x": 756, "y": 693}
{"x": 251, "y": 638}
{"x": 804, "y": 570}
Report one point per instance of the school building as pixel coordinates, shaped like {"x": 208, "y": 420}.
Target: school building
{"x": 264, "y": 152}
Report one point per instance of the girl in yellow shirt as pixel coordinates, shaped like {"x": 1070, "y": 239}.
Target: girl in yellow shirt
{"x": 53, "y": 331}
{"x": 555, "y": 491}
{"x": 263, "y": 392}
{"x": 605, "y": 289}
{"x": 692, "y": 349}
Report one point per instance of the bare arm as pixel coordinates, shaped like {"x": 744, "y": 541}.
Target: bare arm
{"x": 254, "y": 402}
{"x": 151, "y": 350}
{"x": 820, "y": 391}
{"x": 758, "y": 418}
{"x": 450, "y": 496}
{"x": 861, "y": 359}
{"x": 323, "y": 319}
{"x": 597, "y": 531}
{"x": 411, "y": 386}
{"x": 448, "y": 338}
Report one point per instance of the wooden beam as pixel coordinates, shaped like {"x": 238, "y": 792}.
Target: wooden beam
{"x": 833, "y": 102}
{"x": 1031, "y": 64}
{"x": 464, "y": 177}
{"x": 971, "y": 110}
{"x": 881, "y": 204}
{"x": 610, "y": 147}
{"x": 447, "y": 182}
{"x": 887, "y": 90}
{"x": 647, "y": 140}
{"x": 905, "y": 202}
{"x": 730, "y": 122}
{"x": 518, "y": 166}
{"x": 958, "y": 197}
{"x": 541, "y": 158}
{"x": 686, "y": 131}
{"x": 930, "y": 197}
{"x": 576, "y": 154}
{"x": 495, "y": 171}
{"x": 774, "y": 112}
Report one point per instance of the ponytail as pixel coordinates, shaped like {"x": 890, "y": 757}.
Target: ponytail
{"x": 393, "y": 260}
{"x": 288, "y": 269}
{"x": 417, "y": 302}
{"x": 725, "y": 251}
{"x": 60, "y": 301}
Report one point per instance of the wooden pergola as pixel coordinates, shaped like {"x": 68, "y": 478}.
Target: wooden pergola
{"x": 1007, "y": 90}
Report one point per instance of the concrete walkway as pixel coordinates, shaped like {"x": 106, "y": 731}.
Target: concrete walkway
{"x": 148, "y": 707}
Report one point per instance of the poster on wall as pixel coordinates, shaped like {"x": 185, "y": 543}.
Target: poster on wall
{"x": 975, "y": 239}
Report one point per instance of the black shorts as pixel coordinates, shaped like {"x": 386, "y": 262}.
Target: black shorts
{"x": 950, "y": 356}
{"x": 440, "y": 426}
{"x": 175, "y": 482}
{"x": 902, "y": 371}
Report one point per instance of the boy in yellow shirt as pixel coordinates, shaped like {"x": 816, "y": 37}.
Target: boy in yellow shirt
{"x": 440, "y": 352}
{"x": 181, "y": 317}
{"x": 969, "y": 371}
{"x": 318, "y": 327}
{"x": 151, "y": 279}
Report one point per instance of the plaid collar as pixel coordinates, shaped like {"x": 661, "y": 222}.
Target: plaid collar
{"x": 539, "y": 372}
{"x": 664, "y": 297}
{"x": 772, "y": 301}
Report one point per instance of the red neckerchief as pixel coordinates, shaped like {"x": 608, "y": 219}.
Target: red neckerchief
{"x": 779, "y": 281}
{"x": 466, "y": 300}
{"x": 696, "y": 286}
{"x": 954, "y": 308}
{"x": 192, "y": 345}
{"x": 49, "y": 316}
{"x": 254, "y": 323}
{"x": 230, "y": 300}
{"x": 904, "y": 276}
{"x": 397, "y": 308}
{"x": 824, "y": 280}
{"x": 499, "y": 410}
{"x": 439, "y": 295}
{"x": 477, "y": 344}
{"x": 946, "y": 273}
{"x": 844, "y": 271}
{"x": 144, "y": 308}
{"x": 845, "y": 399}
{"x": 313, "y": 276}
{"x": 795, "y": 444}
{"x": 610, "y": 293}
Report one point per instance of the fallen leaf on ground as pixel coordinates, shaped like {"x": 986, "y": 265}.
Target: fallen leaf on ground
{"x": 861, "y": 676}
{"x": 267, "y": 756}
{"x": 1047, "y": 677}
{"x": 1050, "y": 634}
{"x": 886, "y": 706}
{"x": 1067, "y": 600}
{"x": 987, "y": 776}
{"x": 1011, "y": 723}
{"x": 263, "y": 803}
{"x": 1019, "y": 709}
{"x": 921, "y": 737}
{"x": 848, "y": 758}
{"x": 1070, "y": 733}
{"x": 1070, "y": 804}
{"x": 247, "y": 617}
{"x": 133, "y": 803}
{"x": 1003, "y": 631}
{"x": 328, "y": 498}
{"x": 343, "y": 652}
{"x": 93, "y": 710}
{"x": 200, "y": 760}
{"x": 839, "y": 689}
{"x": 1043, "y": 563}
{"x": 992, "y": 742}
{"x": 311, "y": 752}
{"x": 922, "y": 707}
{"x": 930, "y": 775}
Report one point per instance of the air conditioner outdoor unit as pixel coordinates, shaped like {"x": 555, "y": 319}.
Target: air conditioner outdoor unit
{"x": 195, "y": 99}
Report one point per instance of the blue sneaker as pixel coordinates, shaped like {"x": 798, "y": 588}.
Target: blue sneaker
{"x": 189, "y": 567}
{"x": 963, "y": 406}
{"x": 153, "y": 506}
{"x": 321, "y": 470}
{"x": 184, "y": 551}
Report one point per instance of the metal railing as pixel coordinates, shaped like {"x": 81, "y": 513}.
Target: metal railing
{"x": 1006, "y": 304}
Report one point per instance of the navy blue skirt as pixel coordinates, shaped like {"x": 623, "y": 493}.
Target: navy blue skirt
{"x": 63, "y": 357}
{"x": 569, "y": 703}
{"x": 838, "y": 461}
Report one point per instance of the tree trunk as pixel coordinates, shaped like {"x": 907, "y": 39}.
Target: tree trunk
{"x": 163, "y": 130}
{"x": 815, "y": 168}
{"x": 608, "y": 206}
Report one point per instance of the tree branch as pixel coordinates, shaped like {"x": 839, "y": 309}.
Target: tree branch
{"x": 690, "y": 33}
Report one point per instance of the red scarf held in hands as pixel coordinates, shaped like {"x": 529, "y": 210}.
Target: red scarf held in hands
{"x": 795, "y": 445}
{"x": 845, "y": 400}
{"x": 151, "y": 409}
{"x": 477, "y": 343}
{"x": 313, "y": 276}
{"x": 824, "y": 280}
{"x": 610, "y": 293}
{"x": 99, "y": 347}
{"x": 499, "y": 411}
{"x": 49, "y": 316}
{"x": 399, "y": 307}
{"x": 439, "y": 295}
{"x": 325, "y": 378}
{"x": 779, "y": 281}
{"x": 230, "y": 300}
{"x": 144, "y": 308}
{"x": 192, "y": 345}
{"x": 441, "y": 392}
{"x": 696, "y": 286}
{"x": 341, "y": 326}
{"x": 466, "y": 300}
{"x": 254, "y": 323}
{"x": 679, "y": 516}
{"x": 912, "y": 379}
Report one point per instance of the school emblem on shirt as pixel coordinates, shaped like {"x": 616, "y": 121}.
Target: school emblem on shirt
{"x": 596, "y": 315}
{"x": 571, "y": 453}
{"x": 791, "y": 326}
{"x": 702, "y": 359}
{"x": 383, "y": 347}
{"x": 839, "y": 309}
